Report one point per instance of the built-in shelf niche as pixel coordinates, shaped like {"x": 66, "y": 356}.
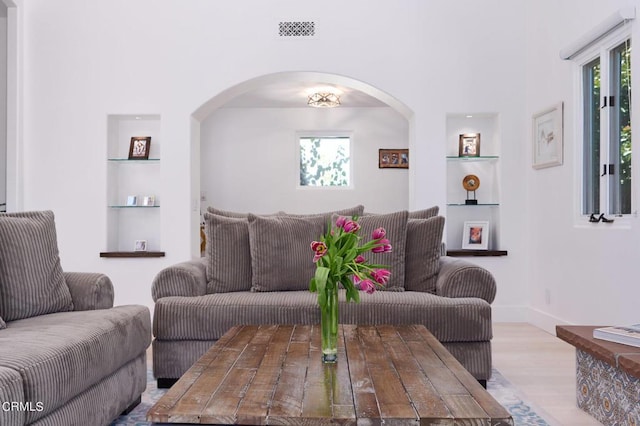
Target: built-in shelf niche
{"x": 128, "y": 223}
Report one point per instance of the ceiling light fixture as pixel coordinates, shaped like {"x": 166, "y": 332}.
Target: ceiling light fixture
{"x": 323, "y": 100}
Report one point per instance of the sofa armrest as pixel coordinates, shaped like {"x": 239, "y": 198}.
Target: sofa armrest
{"x": 183, "y": 279}
{"x": 460, "y": 278}
{"x": 89, "y": 291}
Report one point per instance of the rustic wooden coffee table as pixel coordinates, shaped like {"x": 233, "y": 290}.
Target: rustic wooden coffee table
{"x": 274, "y": 375}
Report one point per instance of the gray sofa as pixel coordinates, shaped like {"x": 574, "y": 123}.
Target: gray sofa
{"x": 67, "y": 356}
{"x": 247, "y": 278}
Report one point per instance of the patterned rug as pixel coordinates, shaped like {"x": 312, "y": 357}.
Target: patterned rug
{"x": 522, "y": 412}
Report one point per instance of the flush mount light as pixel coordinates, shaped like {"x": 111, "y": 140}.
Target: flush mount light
{"x": 323, "y": 100}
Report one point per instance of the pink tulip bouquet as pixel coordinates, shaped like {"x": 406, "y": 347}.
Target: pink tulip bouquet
{"x": 340, "y": 259}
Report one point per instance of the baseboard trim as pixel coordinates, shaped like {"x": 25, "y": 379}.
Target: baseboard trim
{"x": 542, "y": 320}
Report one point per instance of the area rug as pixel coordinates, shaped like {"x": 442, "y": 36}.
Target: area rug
{"x": 523, "y": 413}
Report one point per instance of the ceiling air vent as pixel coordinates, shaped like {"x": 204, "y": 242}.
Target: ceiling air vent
{"x": 297, "y": 29}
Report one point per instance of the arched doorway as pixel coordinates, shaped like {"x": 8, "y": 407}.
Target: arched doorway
{"x": 256, "y": 158}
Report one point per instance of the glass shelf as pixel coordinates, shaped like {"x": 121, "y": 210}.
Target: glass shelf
{"x": 482, "y": 158}
{"x": 133, "y": 207}
{"x": 126, "y": 160}
{"x": 473, "y": 205}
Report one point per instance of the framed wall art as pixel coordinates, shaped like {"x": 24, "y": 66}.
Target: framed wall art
{"x": 469, "y": 145}
{"x": 148, "y": 201}
{"x": 547, "y": 137}
{"x": 475, "y": 235}
{"x": 141, "y": 245}
{"x": 393, "y": 158}
{"x": 139, "y": 148}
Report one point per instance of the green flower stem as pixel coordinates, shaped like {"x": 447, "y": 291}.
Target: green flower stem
{"x": 329, "y": 326}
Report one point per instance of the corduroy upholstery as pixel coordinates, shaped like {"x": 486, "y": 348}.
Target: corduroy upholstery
{"x": 279, "y": 251}
{"x": 31, "y": 278}
{"x": 187, "y": 320}
{"x": 11, "y": 390}
{"x": 396, "y": 226}
{"x": 74, "y": 362}
{"x": 61, "y": 355}
{"x": 67, "y": 367}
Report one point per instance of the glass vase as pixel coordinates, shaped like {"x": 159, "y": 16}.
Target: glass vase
{"x": 329, "y": 328}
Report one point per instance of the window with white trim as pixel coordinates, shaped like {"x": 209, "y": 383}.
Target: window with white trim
{"x": 325, "y": 161}
{"x": 606, "y": 126}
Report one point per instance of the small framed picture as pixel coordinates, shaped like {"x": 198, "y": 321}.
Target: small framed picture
{"x": 469, "y": 145}
{"x": 141, "y": 245}
{"x": 393, "y": 158}
{"x": 547, "y": 137}
{"x": 148, "y": 201}
{"x": 132, "y": 201}
{"x": 139, "y": 148}
{"x": 475, "y": 235}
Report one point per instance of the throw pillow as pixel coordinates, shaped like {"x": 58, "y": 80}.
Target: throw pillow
{"x": 237, "y": 215}
{"x": 281, "y": 257}
{"x": 422, "y": 256}
{"x": 326, "y": 217}
{"x": 425, "y": 214}
{"x": 2, "y": 324}
{"x": 228, "y": 257}
{"x": 31, "y": 279}
{"x": 396, "y": 226}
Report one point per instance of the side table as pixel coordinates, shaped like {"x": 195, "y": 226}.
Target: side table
{"x": 607, "y": 376}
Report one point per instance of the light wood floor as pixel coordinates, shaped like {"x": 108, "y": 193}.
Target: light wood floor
{"x": 542, "y": 367}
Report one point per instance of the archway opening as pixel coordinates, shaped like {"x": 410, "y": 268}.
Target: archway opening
{"x": 245, "y": 145}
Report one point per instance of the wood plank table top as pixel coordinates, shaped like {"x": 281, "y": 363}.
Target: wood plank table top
{"x": 262, "y": 375}
{"x": 624, "y": 357}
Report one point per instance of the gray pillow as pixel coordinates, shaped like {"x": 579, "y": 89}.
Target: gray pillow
{"x": 227, "y": 254}
{"x": 396, "y": 226}
{"x": 2, "y": 324}
{"x": 31, "y": 279}
{"x": 281, "y": 257}
{"x": 422, "y": 256}
{"x": 326, "y": 217}
{"x": 237, "y": 215}
{"x": 425, "y": 214}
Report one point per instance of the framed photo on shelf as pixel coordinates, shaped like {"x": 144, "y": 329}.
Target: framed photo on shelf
{"x": 475, "y": 235}
{"x": 132, "y": 201}
{"x": 139, "y": 148}
{"x": 469, "y": 145}
{"x": 141, "y": 245}
{"x": 393, "y": 159}
{"x": 148, "y": 201}
{"x": 547, "y": 137}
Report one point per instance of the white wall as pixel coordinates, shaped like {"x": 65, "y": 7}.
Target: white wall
{"x": 85, "y": 60}
{"x": 3, "y": 103}
{"x": 588, "y": 272}
{"x": 255, "y": 148}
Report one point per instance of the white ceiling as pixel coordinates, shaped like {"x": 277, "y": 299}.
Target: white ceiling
{"x": 294, "y": 95}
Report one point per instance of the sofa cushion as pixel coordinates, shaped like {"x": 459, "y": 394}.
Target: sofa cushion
{"x": 209, "y": 317}
{"x": 422, "y": 255}
{"x": 63, "y": 354}
{"x": 281, "y": 257}
{"x": 424, "y": 214}
{"x": 327, "y": 217}
{"x": 31, "y": 278}
{"x": 228, "y": 256}
{"x": 396, "y": 226}
{"x": 12, "y": 390}
{"x": 236, "y": 215}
